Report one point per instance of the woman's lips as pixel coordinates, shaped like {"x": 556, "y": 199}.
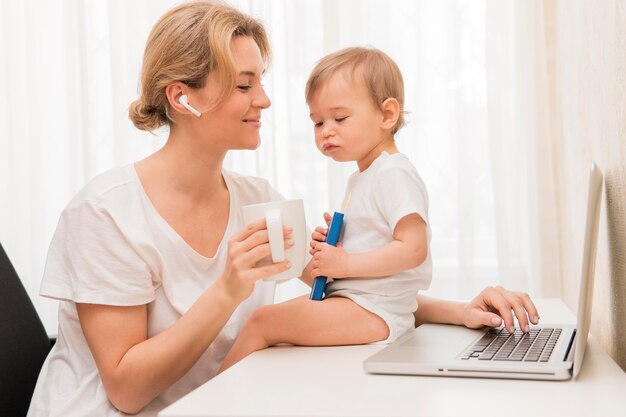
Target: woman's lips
{"x": 253, "y": 122}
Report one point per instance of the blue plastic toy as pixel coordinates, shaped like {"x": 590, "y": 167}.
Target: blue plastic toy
{"x": 319, "y": 285}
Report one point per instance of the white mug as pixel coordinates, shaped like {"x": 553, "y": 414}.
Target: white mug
{"x": 278, "y": 213}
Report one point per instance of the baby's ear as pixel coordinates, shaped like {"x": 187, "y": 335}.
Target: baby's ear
{"x": 390, "y": 110}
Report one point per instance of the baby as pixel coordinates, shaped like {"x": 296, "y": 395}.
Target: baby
{"x": 356, "y": 102}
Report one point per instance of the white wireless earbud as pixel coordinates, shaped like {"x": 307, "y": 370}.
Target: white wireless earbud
{"x": 183, "y": 101}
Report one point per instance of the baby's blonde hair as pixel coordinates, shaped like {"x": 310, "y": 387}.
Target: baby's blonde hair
{"x": 185, "y": 45}
{"x": 380, "y": 73}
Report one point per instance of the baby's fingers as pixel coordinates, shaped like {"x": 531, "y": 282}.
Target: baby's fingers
{"x": 327, "y": 218}
{"x": 317, "y": 237}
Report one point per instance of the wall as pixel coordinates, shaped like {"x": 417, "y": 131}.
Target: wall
{"x": 586, "y": 66}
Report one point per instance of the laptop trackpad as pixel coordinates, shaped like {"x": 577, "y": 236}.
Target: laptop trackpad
{"x": 446, "y": 340}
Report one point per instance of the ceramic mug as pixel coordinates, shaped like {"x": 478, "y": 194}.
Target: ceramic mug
{"x": 278, "y": 213}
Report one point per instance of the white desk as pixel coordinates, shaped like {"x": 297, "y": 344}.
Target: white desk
{"x": 330, "y": 381}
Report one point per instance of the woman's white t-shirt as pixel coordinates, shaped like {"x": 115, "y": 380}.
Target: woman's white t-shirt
{"x": 112, "y": 247}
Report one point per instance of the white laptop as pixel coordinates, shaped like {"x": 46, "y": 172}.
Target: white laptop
{"x": 552, "y": 352}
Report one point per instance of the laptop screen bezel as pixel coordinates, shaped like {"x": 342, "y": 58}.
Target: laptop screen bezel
{"x": 594, "y": 200}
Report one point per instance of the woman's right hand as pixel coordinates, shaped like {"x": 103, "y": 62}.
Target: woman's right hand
{"x": 245, "y": 249}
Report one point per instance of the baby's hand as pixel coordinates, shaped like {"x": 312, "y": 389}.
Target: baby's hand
{"x": 329, "y": 261}
{"x": 319, "y": 235}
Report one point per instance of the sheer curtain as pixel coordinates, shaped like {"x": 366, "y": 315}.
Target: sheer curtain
{"x": 69, "y": 69}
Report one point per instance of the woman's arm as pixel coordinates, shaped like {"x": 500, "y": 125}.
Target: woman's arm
{"x": 135, "y": 369}
{"x": 408, "y": 250}
{"x": 433, "y": 310}
{"x": 488, "y": 308}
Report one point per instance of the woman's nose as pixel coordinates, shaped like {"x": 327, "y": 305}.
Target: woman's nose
{"x": 262, "y": 100}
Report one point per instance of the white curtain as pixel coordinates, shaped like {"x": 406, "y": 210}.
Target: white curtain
{"x": 521, "y": 136}
{"x": 69, "y": 69}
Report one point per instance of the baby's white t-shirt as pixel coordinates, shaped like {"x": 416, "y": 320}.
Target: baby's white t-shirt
{"x": 376, "y": 199}
{"x": 112, "y": 247}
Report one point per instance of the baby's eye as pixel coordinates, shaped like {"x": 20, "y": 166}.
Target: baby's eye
{"x": 244, "y": 87}
{"x": 318, "y": 124}
{"x": 340, "y": 119}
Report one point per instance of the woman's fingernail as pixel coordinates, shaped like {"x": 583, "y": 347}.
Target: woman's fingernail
{"x": 536, "y": 318}
{"x": 527, "y": 328}
{"x": 496, "y": 321}
{"x": 288, "y": 264}
{"x": 511, "y": 329}
{"x": 290, "y": 242}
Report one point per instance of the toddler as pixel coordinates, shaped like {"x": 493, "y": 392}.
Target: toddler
{"x": 356, "y": 102}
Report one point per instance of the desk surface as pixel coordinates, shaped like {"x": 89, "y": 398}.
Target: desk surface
{"x": 330, "y": 381}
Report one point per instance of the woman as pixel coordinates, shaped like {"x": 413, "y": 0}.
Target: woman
{"x": 154, "y": 268}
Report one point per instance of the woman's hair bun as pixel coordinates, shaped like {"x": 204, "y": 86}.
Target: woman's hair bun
{"x": 144, "y": 117}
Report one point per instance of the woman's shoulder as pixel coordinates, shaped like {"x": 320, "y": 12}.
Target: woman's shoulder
{"x": 241, "y": 180}
{"x": 251, "y": 189}
{"x": 116, "y": 184}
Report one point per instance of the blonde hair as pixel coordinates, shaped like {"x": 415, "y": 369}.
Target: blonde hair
{"x": 185, "y": 45}
{"x": 380, "y": 73}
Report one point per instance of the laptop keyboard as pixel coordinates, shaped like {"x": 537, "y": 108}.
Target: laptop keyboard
{"x": 498, "y": 345}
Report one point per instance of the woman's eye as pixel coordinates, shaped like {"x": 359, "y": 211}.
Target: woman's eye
{"x": 244, "y": 87}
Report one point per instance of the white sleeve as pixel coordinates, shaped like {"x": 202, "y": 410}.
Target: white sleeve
{"x": 90, "y": 260}
{"x": 400, "y": 192}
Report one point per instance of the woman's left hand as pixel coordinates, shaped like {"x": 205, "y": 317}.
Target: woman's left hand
{"x": 494, "y": 304}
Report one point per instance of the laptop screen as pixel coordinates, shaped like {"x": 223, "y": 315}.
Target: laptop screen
{"x": 594, "y": 200}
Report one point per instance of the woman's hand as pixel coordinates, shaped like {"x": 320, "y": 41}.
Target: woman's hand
{"x": 245, "y": 249}
{"x": 494, "y": 304}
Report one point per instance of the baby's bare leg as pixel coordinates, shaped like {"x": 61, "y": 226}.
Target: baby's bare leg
{"x": 334, "y": 321}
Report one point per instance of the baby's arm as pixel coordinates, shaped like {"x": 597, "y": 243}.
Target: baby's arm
{"x": 408, "y": 250}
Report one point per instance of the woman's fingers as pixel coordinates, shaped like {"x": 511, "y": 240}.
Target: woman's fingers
{"x": 493, "y": 305}
{"x": 256, "y": 234}
{"x": 249, "y": 230}
{"x": 520, "y": 303}
{"x": 530, "y": 307}
{"x": 498, "y": 302}
{"x": 245, "y": 249}
{"x": 269, "y": 270}
{"x": 515, "y": 304}
{"x": 258, "y": 252}
{"x": 486, "y": 318}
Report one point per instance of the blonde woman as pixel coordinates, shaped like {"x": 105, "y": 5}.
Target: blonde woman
{"x": 153, "y": 267}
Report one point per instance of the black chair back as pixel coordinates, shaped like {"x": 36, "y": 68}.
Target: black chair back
{"x": 24, "y": 343}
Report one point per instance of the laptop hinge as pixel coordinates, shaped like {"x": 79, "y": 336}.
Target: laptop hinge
{"x": 569, "y": 353}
